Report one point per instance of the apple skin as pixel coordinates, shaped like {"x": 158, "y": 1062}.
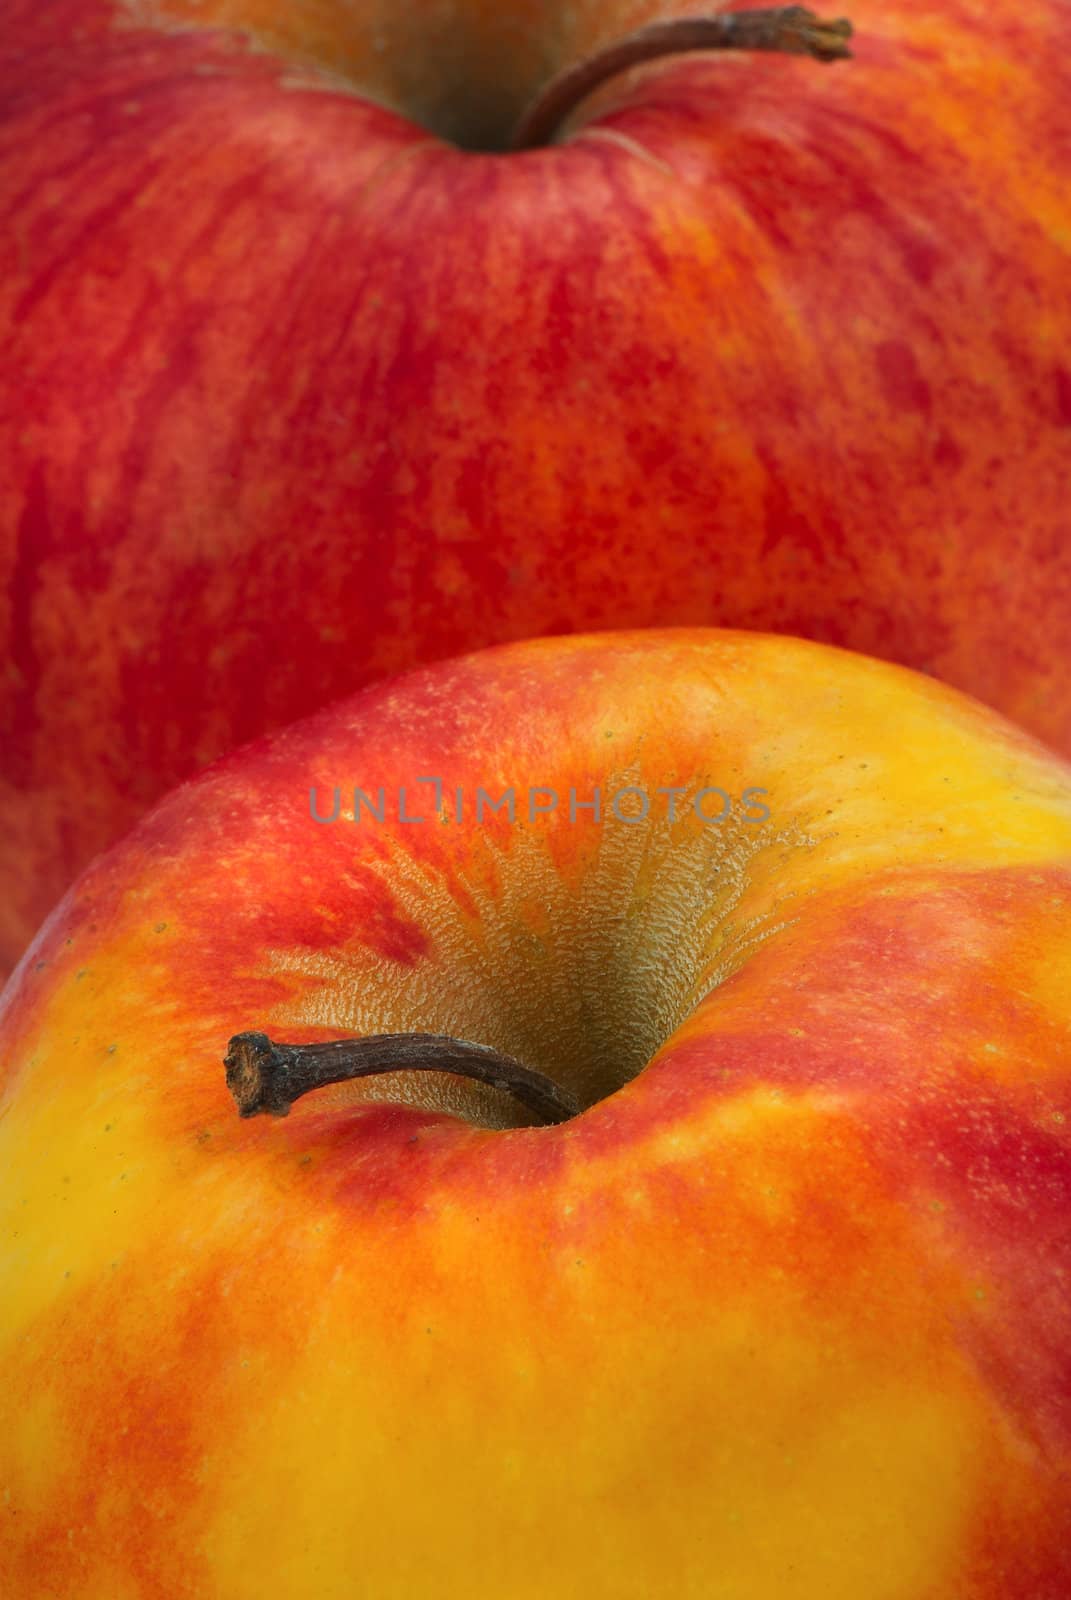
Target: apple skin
{"x": 295, "y": 394}
{"x": 783, "y": 1311}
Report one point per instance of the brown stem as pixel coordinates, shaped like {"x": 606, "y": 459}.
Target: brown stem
{"x": 792, "y": 30}
{"x": 263, "y": 1076}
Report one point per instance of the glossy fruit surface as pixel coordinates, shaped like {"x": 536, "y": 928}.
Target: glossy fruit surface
{"x": 295, "y": 392}
{"x": 783, "y": 1310}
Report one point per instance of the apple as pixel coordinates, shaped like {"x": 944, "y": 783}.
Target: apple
{"x": 665, "y": 1199}
{"x": 307, "y": 378}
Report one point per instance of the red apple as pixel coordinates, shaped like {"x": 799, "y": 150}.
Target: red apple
{"x": 305, "y": 379}
{"x": 784, "y": 1308}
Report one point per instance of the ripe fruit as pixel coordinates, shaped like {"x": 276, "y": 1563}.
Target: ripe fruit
{"x": 294, "y": 393}
{"x": 782, "y": 1311}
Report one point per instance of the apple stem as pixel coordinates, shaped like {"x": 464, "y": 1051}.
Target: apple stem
{"x": 792, "y": 30}
{"x": 263, "y": 1076}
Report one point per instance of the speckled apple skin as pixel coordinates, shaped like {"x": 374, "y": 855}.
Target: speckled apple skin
{"x": 294, "y": 394}
{"x": 785, "y": 1311}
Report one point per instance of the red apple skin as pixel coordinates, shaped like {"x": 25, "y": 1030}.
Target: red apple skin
{"x": 293, "y": 393}
{"x": 783, "y": 1312}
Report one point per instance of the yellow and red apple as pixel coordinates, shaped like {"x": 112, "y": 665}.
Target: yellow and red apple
{"x": 307, "y": 379}
{"x": 782, "y": 1310}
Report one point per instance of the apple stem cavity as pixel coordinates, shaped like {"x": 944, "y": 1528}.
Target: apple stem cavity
{"x": 790, "y": 30}
{"x": 264, "y": 1076}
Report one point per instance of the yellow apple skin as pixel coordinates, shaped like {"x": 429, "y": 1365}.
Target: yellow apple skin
{"x": 783, "y": 1313}
{"x": 758, "y": 343}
